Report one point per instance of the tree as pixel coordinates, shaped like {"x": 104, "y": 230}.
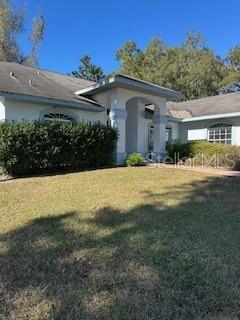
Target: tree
{"x": 35, "y": 38}
{"x": 231, "y": 82}
{"x": 11, "y": 27}
{"x": 132, "y": 58}
{"x": 234, "y": 57}
{"x": 191, "y": 68}
{"x": 89, "y": 71}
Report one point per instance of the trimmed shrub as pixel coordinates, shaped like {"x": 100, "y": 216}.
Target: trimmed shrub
{"x": 134, "y": 160}
{"x": 33, "y": 148}
{"x": 178, "y": 151}
{"x": 206, "y": 154}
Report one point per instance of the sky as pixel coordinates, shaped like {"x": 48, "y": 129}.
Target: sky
{"x": 100, "y": 27}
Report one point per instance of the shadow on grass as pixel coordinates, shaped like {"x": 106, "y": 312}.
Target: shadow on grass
{"x": 157, "y": 261}
{"x": 5, "y": 177}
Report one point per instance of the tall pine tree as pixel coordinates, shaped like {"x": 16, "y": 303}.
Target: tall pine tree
{"x": 89, "y": 71}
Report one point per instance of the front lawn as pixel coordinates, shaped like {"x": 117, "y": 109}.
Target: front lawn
{"x": 124, "y": 243}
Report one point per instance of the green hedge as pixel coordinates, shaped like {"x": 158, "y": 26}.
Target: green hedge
{"x": 206, "y": 154}
{"x": 32, "y": 148}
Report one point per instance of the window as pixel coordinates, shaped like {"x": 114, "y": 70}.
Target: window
{"x": 150, "y": 137}
{"x": 220, "y": 133}
{"x": 108, "y": 118}
{"x": 58, "y": 117}
{"x": 168, "y": 137}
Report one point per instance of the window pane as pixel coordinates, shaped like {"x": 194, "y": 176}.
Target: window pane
{"x": 221, "y": 133}
{"x": 168, "y": 134}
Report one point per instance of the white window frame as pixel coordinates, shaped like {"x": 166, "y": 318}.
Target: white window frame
{"x": 168, "y": 134}
{"x": 58, "y": 117}
{"x": 220, "y": 133}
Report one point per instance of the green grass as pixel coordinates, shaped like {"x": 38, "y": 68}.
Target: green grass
{"x": 124, "y": 243}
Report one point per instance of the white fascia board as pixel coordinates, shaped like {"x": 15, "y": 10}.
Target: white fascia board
{"x": 131, "y": 84}
{"x": 52, "y": 101}
{"x": 212, "y": 116}
{"x": 147, "y": 87}
{"x": 105, "y": 83}
{"x": 173, "y": 119}
{"x": 88, "y": 89}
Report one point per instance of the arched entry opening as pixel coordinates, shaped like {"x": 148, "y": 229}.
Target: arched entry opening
{"x": 141, "y": 114}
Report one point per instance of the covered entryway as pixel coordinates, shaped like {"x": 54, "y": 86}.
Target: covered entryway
{"x": 127, "y": 99}
{"x": 140, "y": 125}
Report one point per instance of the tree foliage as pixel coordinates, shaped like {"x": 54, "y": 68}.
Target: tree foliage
{"x": 11, "y": 27}
{"x": 234, "y": 57}
{"x": 192, "y": 67}
{"x": 89, "y": 71}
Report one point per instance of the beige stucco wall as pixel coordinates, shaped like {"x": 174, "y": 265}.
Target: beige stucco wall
{"x": 19, "y": 111}
{"x": 133, "y": 128}
{"x": 174, "y": 129}
{"x": 137, "y": 128}
{"x": 197, "y": 130}
{"x": 142, "y": 141}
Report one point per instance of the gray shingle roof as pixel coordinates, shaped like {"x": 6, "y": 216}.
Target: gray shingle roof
{"x": 40, "y": 83}
{"x": 131, "y": 83}
{"x": 14, "y": 78}
{"x": 221, "y": 104}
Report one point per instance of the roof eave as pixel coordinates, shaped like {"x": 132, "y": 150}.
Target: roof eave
{"x": 52, "y": 101}
{"x": 173, "y": 119}
{"x": 212, "y": 116}
{"x": 130, "y": 83}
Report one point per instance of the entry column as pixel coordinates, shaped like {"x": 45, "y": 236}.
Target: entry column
{"x": 159, "y": 136}
{"x": 118, "y": 118}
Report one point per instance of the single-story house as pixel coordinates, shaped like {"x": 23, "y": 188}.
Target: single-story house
{"x": 146, "y": 115}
